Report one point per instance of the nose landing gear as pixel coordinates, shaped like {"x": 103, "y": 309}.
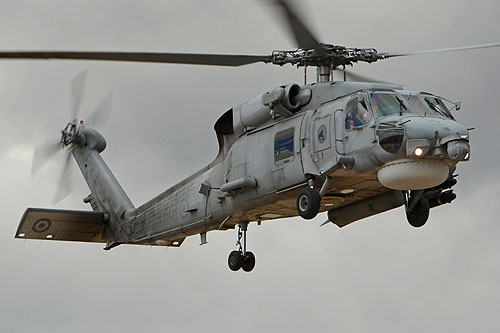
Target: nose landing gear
{"x": 241, "y": 258}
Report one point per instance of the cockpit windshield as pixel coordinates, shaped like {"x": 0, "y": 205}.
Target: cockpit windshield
{"x": 387, "y": 104}
{"x": 417, "y": 106}
{"x": 428, "y": 105}
{"x": 437, "y": 105}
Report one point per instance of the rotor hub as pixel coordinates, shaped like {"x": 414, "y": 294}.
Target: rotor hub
{"x": 69, "y": 135}
{"x": 328, "y": 55}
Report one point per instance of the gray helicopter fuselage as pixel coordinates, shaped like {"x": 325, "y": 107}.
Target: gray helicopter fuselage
{"x": 351, "y": 149}
{"x": 268, "y": 153}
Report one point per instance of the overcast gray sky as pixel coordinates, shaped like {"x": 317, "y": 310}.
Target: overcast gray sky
{"x": 377, "y": 275}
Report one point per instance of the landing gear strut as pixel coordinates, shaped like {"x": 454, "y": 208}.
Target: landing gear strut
{"x": 417, "y": 209}
{"x": 241, "y": 258}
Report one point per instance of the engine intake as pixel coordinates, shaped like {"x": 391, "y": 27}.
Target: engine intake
{"x": 285, "y": 101}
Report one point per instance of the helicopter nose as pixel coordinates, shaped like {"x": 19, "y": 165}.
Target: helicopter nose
{"x": 432, "y": 146}
{"x": 453, "y": 147}
{"x": 442, "y": 138}
{"x": 432, "y": 128}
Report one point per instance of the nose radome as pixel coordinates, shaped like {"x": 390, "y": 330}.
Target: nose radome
{"x": 413, "y": 174}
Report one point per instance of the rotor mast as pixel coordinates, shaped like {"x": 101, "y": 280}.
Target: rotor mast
{"x": 324, "y": 73}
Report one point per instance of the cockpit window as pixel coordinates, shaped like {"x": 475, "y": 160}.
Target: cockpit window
{"x": 427, "y": 105}
{"x": 417, "y": 106}
{"x": 357, "y": 113}
{"x": 437, "y": 105}
{"x": 387, "y": 104}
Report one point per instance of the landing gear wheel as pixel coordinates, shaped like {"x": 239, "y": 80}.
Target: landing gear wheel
{"x": 419, "y": 214}
{"x": 308, "y": 203}
{"x": 235, "y": 260}
{"x": 241, "y": 258}
{"x": 248, "y": 262}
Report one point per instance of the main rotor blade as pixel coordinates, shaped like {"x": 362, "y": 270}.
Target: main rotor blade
{"x": 43, "y": 154}
{"x": 64, "y": 186}
{"x": 100, "y": 115}
{"x": 77, "y": 91}
{"x": 303, "y": 35}
{"x": 462, "y": 48}
{"x": 171, "y": 58}
{"x": 355, "y": 77}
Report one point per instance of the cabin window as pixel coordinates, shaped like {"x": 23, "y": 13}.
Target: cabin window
{"x": 357, "y": 114}
{"x": 283, "y": 147}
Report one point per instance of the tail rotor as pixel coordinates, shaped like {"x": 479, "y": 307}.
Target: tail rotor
{"x": 70, "y": 135}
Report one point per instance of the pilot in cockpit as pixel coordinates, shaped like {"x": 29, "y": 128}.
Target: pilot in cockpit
{"x": 357, "y": 114}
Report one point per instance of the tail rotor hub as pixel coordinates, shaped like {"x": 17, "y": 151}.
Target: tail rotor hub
{"x": 69, "y": 135}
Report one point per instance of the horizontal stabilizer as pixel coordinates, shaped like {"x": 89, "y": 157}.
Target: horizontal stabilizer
{"x": 65, "y": 225}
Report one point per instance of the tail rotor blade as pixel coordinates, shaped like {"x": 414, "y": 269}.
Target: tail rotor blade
{"x": 77, "y": 92}
{"x": 45, "y": 152}
{"x": 42, "y": 155}
{"x": 100, "y": 115}
{"x": 64, "y": 186}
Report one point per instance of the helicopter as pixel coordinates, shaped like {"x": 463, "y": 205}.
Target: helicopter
{"x": 353, "y": 149}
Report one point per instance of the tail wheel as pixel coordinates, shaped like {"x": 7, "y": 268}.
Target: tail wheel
{"x": 308, "y": 203}
{"x": 419, "y": 214}
{"x": 235, "y": 260}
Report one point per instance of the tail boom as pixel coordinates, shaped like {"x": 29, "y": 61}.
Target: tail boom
{"x": 104, "y": 187}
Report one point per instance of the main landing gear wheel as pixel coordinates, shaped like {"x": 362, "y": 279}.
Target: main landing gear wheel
{"x": 248, "y": 262}
{"x": 419, "y": 214}
{"x": 241, "y": 258}
{"x": 235, "y": 260}
{"x": 308, "y": 203}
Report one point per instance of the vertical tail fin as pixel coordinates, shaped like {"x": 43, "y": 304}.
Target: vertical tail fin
{"x": 106, "y": 193}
